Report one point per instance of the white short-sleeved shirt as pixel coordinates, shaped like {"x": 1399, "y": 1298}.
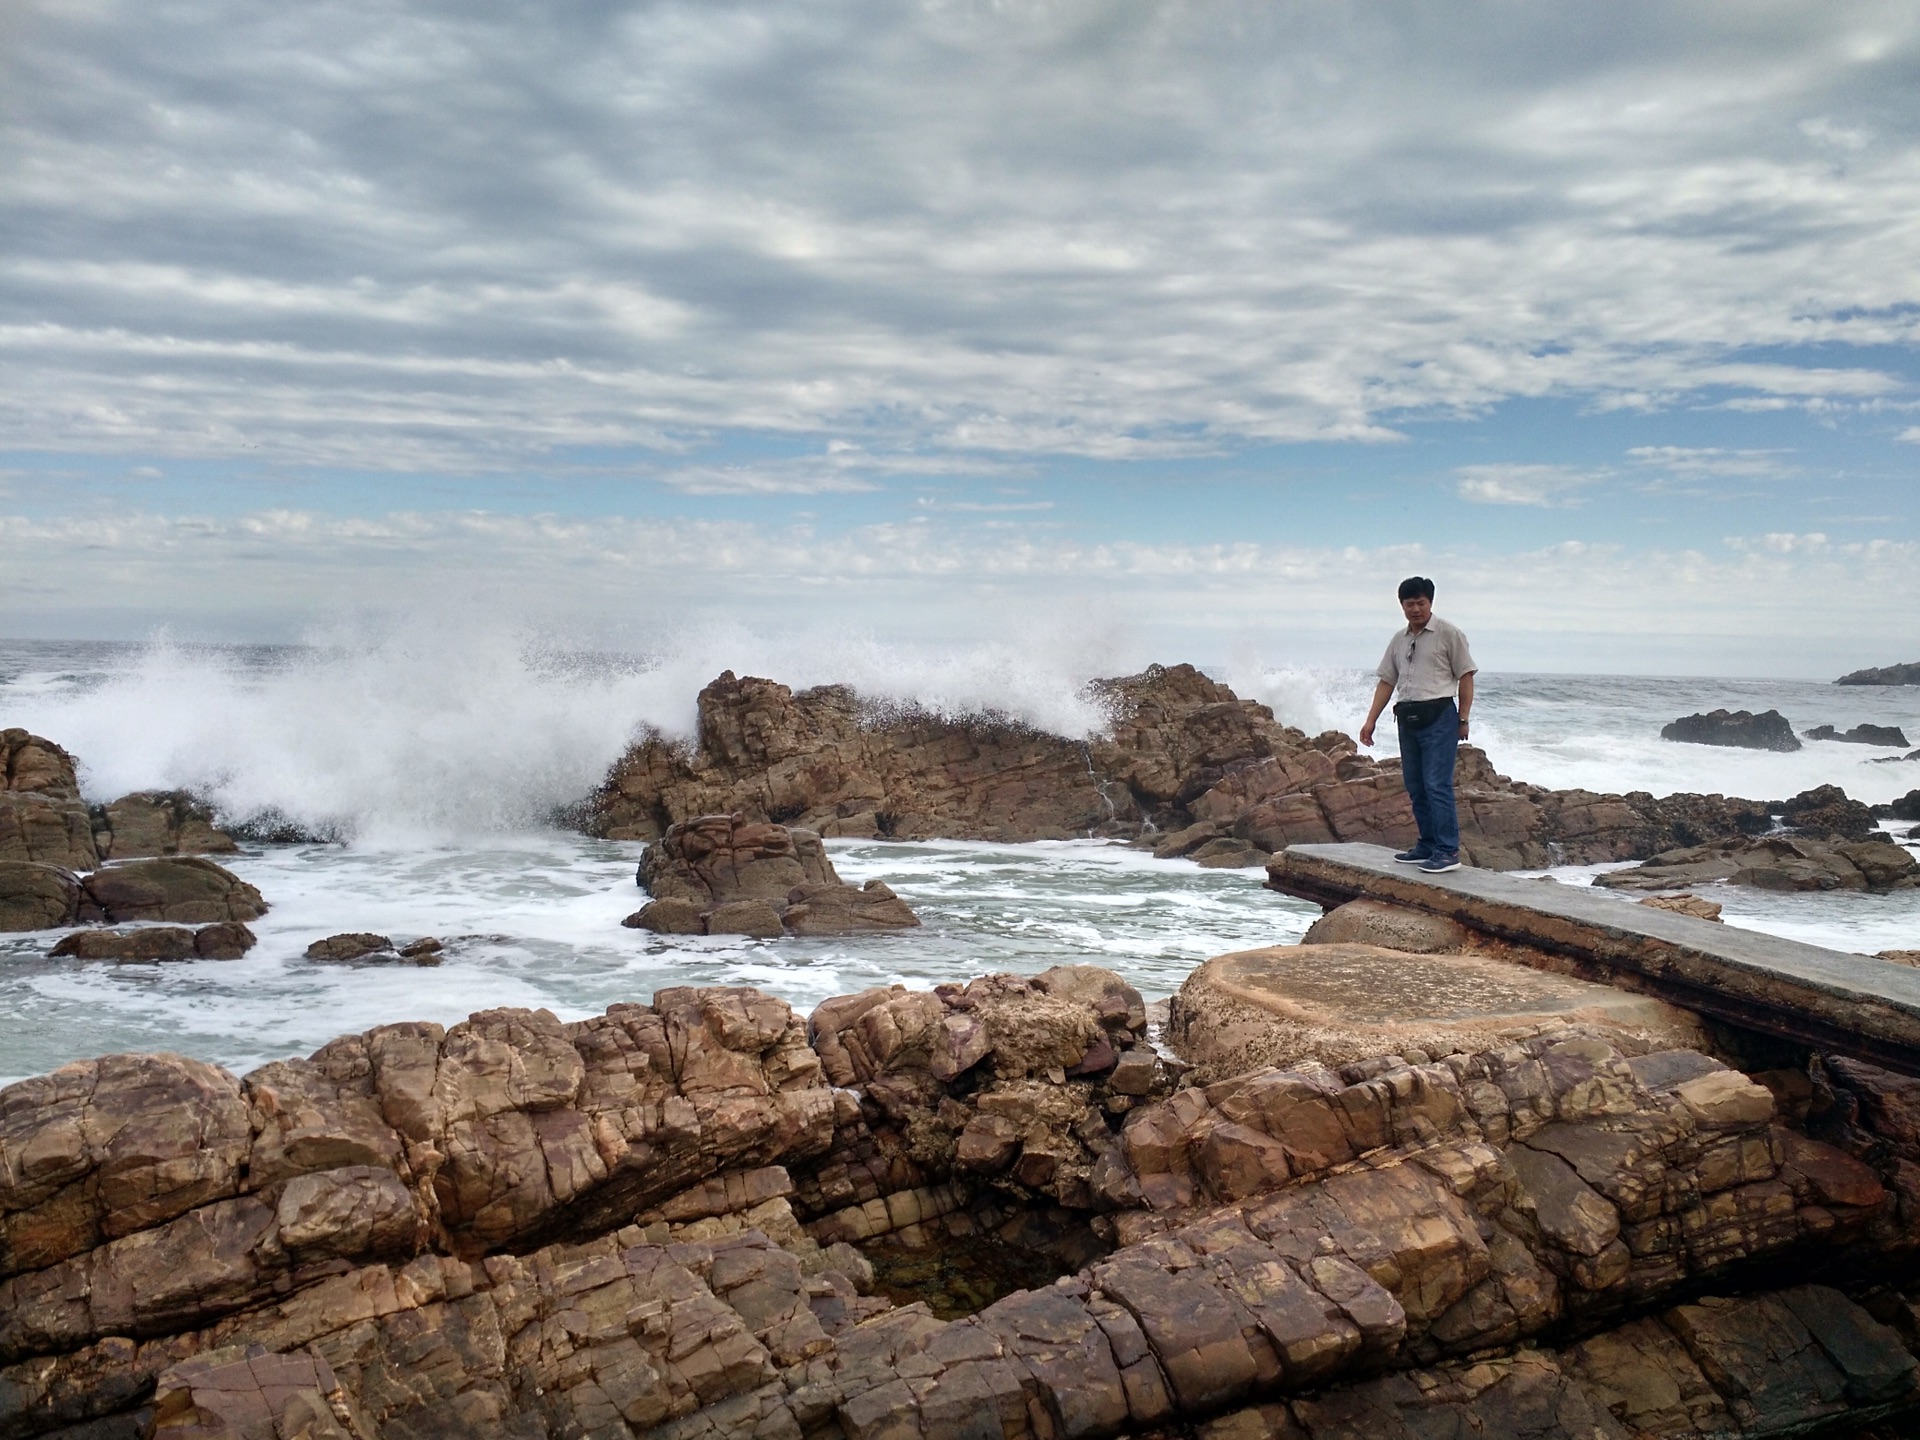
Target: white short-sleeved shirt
{"x": 1427, "y": 665}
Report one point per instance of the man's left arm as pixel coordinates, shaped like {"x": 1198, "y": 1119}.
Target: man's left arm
{"x": 1466, "y": 701}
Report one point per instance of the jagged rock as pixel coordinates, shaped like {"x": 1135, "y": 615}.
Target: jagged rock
{"x": 1769, "y": 730}
{"x": 1782, "y": 862}
{"x": 181, "y": 888}
{"x": 1886, "y": 675}
{"x": 1860, "y": 735}
{"x": 37, "y": 897}
{"x": 838, "y": 909}
{"x": 42, "y": 818}
{"x": 30, "y": 763}
{"x": 1827, "y": 813}
{"x": 227, "y": 940}
{"x": 639, "y": 1224}
{"x": 1185, "y": 759}
{"x": 350, "y": 945}
{"x": 726, "y": 875}
{"x": 158, "y": 822}
{"x": 1685, "y": 905}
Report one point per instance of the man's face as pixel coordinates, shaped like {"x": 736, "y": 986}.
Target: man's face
{"x": 1418, "y": 611}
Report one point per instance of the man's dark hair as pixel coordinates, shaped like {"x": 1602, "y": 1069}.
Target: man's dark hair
{"x": 1416, "y": 585}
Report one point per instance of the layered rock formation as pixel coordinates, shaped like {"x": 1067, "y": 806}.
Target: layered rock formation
{"x": 639, "y": 1224}
{"x": 1779, "y": 862}
{"x": 43, "y": 819}
{"x": 1186, "y": 762}
{"x": 1769, "y": 730}
{"x": 49, "y": 838}
{"x": 726, "y": 875}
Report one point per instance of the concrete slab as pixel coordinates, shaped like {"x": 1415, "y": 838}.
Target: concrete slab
{"x": 1846, "y": 1004}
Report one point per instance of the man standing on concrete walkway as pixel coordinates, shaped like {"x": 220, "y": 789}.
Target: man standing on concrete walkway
{"x": 1430, "y": 665}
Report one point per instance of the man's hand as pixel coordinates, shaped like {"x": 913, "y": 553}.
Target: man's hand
{"x": 1463, "y": 727}
{"x": 1366, "y": 733}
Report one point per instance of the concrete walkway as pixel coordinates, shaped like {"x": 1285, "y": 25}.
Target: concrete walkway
{"x": 1846, "y": 1004}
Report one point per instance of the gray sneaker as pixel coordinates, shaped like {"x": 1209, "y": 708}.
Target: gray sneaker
{"x": 1439, "y": 864}
{"x": 1413, "y": 856}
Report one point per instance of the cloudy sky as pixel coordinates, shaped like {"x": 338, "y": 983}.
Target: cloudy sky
{"x": 1200, "y": 323}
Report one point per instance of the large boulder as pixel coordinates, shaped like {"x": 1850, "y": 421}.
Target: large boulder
{"x": 1828, "y": 813}
{"x": 42, "y": 817}
{"x": 224, "y": 940}
{"x": 184, "y": 889}
{"x": 1860, "y": 735}
{"x": 727, "y": 875}
{"x": 37, "y": 897}
{"x": 1769, "y": 730}
{"x": 159, "y": 822}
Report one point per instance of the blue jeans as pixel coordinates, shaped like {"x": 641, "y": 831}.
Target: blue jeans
{"x": 1426, "y": 764}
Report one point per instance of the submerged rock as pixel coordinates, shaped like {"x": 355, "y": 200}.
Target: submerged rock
{"x": 225, "y": 940}
{"x": 726, "y": 875}
{"x": 1769, "y": 730}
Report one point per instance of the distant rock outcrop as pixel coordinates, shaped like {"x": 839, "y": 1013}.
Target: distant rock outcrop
{"x": 1769, "y": 730}
{"x": 727, "y": 875}
{"x": 1860, "y": 734}
{"x": 1887, "y": 675}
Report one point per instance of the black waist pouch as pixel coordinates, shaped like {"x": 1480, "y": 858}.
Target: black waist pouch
{"x": 1418, "y": 714}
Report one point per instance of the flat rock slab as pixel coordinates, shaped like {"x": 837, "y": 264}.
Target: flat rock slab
{"x": 1339, "y": 1003}
{"x": 1847, "y": 1004}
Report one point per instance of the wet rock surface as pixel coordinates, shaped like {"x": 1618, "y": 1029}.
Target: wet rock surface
{"x": 1185, "y": 763}
{"x": 727, "y": 875}
{"x": 1860, "y": 735}
{"x": 1785, "y": 862}
{"x": 225, "y": 940}
{"x": 646, "y": 1223}
{"x": 1769, "y": 730}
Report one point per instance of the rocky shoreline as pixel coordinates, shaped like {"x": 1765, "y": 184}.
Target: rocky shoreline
{"x": 710, "y": 1216}
{"x": 1408, "y": 1178}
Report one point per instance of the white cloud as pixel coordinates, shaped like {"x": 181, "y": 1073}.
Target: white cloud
{"x": 1524, "y": 484}
{"x": 1710, "y": 460}
{"x": 384, "y": 235}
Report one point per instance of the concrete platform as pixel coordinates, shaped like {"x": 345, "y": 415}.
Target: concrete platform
{"x": 1845, "y": 1004}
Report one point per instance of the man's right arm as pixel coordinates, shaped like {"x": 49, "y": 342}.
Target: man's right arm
{"x": 1382, "y": 693}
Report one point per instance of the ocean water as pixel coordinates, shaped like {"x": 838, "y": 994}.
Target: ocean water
{"x": 439, "y": 759}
